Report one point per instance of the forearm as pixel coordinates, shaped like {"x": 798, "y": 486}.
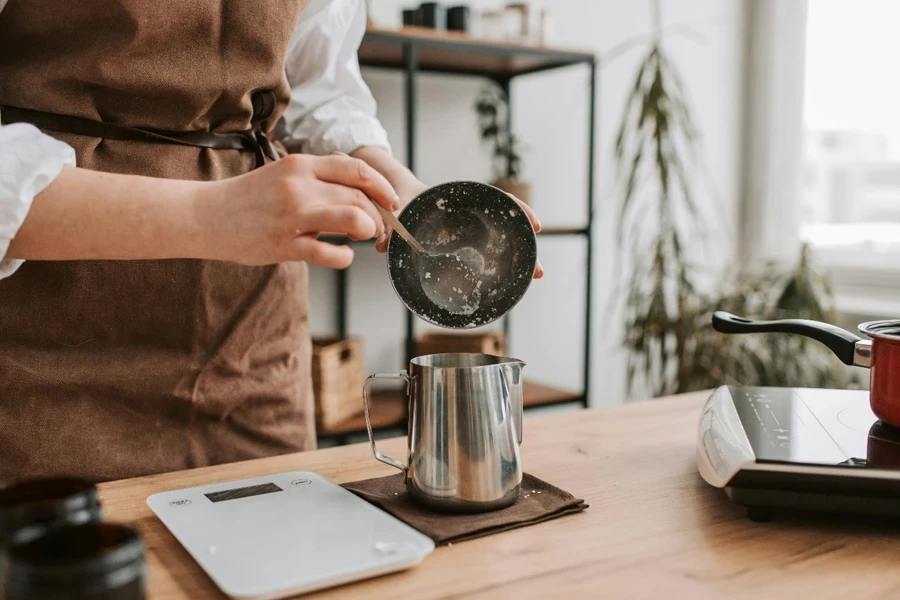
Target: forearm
{"x": 86, "y": 214}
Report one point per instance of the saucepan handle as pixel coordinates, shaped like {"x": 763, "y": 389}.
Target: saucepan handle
{"x": 378, "y": 455}
{"x": 851, "y": 349}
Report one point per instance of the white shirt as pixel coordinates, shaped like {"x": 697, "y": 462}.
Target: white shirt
{"x": 331, "y": 109}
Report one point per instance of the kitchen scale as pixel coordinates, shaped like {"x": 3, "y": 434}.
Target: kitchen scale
{"x": 286, "y": 534}
{"x": 799, "y": 448}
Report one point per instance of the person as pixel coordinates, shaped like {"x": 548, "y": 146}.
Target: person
{"x": 156, "y": 232}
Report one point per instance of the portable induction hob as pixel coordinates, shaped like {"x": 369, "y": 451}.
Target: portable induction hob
{"x": 799, "y": 448}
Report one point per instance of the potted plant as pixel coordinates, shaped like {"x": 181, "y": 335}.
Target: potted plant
{"x": 492, "y": 108}
{"x": 667, "y": 300}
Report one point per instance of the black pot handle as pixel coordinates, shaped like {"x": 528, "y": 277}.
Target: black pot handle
{"x": 839, "y": 341}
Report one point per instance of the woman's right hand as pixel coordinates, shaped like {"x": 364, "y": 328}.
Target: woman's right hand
{"x": 276, "y": 213}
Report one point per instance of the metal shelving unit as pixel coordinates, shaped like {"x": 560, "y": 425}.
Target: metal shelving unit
{"x": 417, "y": 50}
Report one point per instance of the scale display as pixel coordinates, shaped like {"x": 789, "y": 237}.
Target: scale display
{"x": 243, "y": 492}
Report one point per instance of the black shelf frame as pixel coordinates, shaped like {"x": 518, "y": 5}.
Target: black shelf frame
{"x": 551, "y": 59}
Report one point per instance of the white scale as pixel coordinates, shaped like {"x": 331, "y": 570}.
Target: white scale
{"x": 286, "y": 534}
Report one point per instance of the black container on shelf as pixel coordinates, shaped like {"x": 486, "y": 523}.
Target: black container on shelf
{"x": 31, "y": 507}
{"x": 433, "y": 15}
{"x": 458, "y": 18}
{"x": 412, "y": 17}
{"x": 94, "y": 561}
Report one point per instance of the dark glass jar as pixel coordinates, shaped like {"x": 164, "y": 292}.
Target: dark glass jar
{"x": 29, "y": 508}
{"x": 412, "y": 17}
{"x": 433, "y": 15}
{"x": 458, "y": 18}
{"x": 94, "y": 561}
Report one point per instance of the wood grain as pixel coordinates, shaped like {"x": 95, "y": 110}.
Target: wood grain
{"x": 654, "y": 528}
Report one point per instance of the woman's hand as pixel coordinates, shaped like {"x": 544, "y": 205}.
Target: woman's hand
{"x": 276, "y": 213}
{"x": 273, "y": 214}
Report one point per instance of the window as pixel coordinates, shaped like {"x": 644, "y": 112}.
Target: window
{"x": 851, "y": 184}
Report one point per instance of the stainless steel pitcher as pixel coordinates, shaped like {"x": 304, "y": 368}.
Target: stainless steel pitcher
{"x": 464, "y": 431}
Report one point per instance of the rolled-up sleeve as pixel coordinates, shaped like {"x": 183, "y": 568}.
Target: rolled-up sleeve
{"x": 29, "y": 161}
{"x": 332, "y": 108}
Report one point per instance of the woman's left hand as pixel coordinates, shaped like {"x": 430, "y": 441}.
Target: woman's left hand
{"x": 411, "y": 187}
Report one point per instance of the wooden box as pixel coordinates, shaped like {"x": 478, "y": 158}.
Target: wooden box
{"x": 338, "y": 374}
{"x": 482, "y": 343}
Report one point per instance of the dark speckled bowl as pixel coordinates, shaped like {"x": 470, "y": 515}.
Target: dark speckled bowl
{"x": 459, "y": 214}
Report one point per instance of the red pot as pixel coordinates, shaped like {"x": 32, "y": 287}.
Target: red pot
{"x": 881, "y": 353}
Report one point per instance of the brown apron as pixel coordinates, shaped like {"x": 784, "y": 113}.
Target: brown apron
{"x": 113, "y": 369}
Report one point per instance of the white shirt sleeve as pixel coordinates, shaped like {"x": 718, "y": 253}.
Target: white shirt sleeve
{"x": 29, "y": 161}
{"x": 331, "y": 108}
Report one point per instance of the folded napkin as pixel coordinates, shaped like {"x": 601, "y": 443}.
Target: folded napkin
{"x": 538, "y": 502}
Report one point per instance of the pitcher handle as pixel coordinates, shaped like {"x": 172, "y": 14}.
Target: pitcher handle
{"x": 378, "y": 455}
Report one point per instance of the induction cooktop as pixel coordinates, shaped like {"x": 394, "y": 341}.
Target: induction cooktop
{"x": 799, "y": 448}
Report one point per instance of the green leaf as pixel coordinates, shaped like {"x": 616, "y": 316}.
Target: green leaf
{"x": 628, "y": 196}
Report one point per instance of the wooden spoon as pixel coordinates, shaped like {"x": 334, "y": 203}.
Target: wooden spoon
{"x": 394, "y": 222}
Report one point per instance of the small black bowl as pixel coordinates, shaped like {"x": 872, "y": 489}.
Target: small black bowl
{"x": 464, "y": 216}
{"x": 94, "y": 561}
{"x": 29, "y": 508}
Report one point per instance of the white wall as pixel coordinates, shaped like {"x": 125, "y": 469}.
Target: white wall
{"x": 550, "y": 114}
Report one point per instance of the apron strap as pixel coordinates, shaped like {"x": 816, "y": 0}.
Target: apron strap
{"x": 251, "y": 140}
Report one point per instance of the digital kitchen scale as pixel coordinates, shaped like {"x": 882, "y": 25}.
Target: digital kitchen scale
{"x": 286, "y": 534}
{"x": 799, "y": 448}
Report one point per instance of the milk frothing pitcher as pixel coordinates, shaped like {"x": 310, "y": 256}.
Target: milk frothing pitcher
{"x": 464, "y": 431}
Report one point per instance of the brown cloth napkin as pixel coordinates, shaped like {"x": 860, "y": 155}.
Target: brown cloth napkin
{"x": 538, "y": 502}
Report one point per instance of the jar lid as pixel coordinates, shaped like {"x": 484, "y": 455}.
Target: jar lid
{"x": 83, "y": 561}
{"x": 38, "y": 501}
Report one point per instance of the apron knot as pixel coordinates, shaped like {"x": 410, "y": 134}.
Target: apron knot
{"x": 263, "y": 102}
{"x": 261, "y": 146}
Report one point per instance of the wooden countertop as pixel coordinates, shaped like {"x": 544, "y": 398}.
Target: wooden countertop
{"x": 654, "y": 529}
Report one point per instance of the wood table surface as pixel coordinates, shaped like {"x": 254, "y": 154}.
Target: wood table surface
{"x": 654, "y": 529}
